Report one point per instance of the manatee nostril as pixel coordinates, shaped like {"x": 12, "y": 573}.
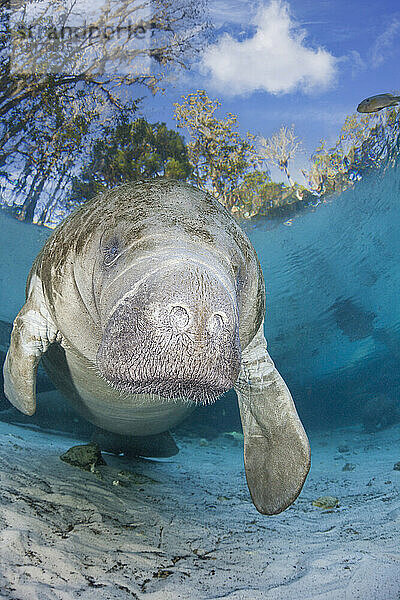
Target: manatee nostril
{"x": 178, "y": 317}
{"x": 216, "y": 323}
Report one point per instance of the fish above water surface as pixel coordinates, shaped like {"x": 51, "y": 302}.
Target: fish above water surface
{"x": 378, "y": 102}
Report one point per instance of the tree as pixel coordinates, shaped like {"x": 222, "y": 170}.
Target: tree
{"x": 54, "y": 97}
{"x": 365, "y": 142}
{"x": 130, "y": 151}
{"x": 280, "y": 148}
{"x": 219, "y": 155}
{"x": 328, "y": 169}
{"x": 41, "y": 154}
{"x": 257, "y": 194}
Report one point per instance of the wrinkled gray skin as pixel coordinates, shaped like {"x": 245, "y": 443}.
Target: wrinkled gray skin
{"x": 146, "y": 302}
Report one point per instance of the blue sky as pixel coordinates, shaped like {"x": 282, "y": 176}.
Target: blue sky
{"x": 304, "y": 62}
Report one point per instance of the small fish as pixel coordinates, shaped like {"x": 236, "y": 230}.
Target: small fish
{"x": 375, "y": 103}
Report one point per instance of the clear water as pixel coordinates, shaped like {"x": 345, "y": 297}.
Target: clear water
{"x": 333, "y": 309}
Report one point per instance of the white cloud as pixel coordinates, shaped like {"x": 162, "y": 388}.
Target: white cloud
{"x": 384, "y": 43}
{"x": 275, "y": 59}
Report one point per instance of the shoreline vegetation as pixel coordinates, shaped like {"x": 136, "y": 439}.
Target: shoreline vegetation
{"x": 213, "y": 157}
{"x": 70, "y": 126}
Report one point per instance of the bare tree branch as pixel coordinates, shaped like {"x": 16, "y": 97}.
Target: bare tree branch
{"x": 280, "y": 148}
{"x": 53, "y": 99}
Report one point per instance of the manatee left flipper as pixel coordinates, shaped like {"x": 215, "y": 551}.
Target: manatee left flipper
{"x": 276, "y": 447}
{"x": 33, "y": 331}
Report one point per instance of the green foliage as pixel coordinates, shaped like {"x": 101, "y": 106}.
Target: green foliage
{"x": 221, "y": 158}
{"x": 256, "y": 194}
{"x": 328, "y": 166}
{"x": 229, "y": 165}
{"x": 130, "y": 151}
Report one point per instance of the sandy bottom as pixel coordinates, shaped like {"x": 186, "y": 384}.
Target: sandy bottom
{"x": 187, "y": 529}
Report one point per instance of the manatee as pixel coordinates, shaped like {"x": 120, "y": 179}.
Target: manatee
{"x": 146, "y": 302}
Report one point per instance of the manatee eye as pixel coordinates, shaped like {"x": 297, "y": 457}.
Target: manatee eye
{"x": 111, "y": 252}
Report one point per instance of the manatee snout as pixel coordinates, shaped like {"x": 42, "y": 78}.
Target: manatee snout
{"x": 178, "y": 341}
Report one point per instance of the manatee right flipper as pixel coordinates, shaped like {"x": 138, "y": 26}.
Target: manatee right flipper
{"x": 161, "y": 445}
{"x": 276, "y": 447}
{"x": 33, "y": 331}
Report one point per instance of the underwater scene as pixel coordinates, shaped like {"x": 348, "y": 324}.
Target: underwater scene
{"x": 199, "y": 306}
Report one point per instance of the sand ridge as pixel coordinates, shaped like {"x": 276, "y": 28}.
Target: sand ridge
{"x": 187, "y": 529}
